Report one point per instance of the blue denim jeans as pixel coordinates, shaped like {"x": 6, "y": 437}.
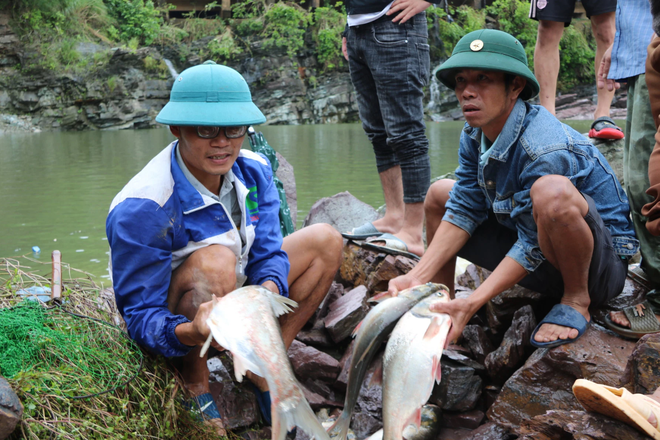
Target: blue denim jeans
{"x": 390, "y": 66}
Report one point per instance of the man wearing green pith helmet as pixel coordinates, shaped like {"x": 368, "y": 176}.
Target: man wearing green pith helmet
{"x": 202, "y": 219}
{"x": 534, "y": 200}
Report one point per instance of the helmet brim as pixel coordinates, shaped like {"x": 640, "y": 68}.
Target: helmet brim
{"x": 210, "y": 113}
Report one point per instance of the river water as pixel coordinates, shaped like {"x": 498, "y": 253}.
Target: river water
{"x": 56, "y": 187}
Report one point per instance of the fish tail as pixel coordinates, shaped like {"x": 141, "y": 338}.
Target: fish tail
{"x": 341, "y": 426}
{"x": 302, "y": 416}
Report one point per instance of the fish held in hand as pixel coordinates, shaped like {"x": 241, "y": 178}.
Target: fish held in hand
{"x": 411, "y": 364}
{"x": 369, "y": 336}
{"x": 245, "y": 323}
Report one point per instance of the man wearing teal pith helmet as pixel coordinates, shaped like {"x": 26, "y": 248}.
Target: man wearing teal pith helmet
{"x": 534, "y": 200}
{"x": 202, "y": 219}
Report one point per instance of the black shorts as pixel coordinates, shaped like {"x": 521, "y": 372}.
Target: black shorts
{"x": 562, "y": 10}
{"x": 491, "y": 241}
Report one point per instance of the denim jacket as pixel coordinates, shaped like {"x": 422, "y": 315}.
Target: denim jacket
{"x": 533, "y": 143}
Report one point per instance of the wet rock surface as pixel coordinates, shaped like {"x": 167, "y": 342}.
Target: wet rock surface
{"x": 574, "y": 425}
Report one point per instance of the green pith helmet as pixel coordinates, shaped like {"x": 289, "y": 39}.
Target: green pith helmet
{"x": 210, "y": 94}
{"x": 489, "y": 49}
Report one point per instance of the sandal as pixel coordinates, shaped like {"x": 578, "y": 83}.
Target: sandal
{"x": 203, "y": 408}
{"x": 619, "y": 403}
{"x": 642, "y": 321}
{"x": 605, "y": 128}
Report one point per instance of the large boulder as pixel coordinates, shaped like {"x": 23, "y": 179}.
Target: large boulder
{"x": 343, "y": 211}
{"x": 643, "y": 369}
{"x": 545, "y": 381}
{"x": 11, "y": 409}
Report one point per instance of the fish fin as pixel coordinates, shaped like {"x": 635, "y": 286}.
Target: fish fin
{"x": 357, "y": 329}
{"x": 433, "y": 328}
{"x": 378, "y": 435}
{"x": 341, "y": 426}
{"x": 415, "y": 418}
{"x": 242, "y": 364}
{"x": 380, "y": 297}
{"x": 377, "y": 377}
{"x": 206, "y": 345}
{"x": 281, "y": 304}
{"x": 437, "y": 367}
{"x": 299, "y": 415}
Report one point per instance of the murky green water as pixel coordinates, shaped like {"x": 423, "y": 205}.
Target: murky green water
{"x": 56, "y": 188}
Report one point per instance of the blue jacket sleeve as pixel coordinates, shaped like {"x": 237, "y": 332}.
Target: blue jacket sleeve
{"x": 140, "y": 237}
{"x": 467, "y": 207}
{"x": 267, "y": 261}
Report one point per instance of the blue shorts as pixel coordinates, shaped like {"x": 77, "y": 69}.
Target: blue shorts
{"x": 491, "y": 241}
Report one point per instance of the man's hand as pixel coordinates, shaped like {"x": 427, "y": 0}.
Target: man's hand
{"x": 196, "y": 332}
{"x": 604, "y": 70}
{"x": 460, "y": 311}
{"x": 402, "y": 282}
{"x": 344, "y": 49}
{"x": 408, "y": 8}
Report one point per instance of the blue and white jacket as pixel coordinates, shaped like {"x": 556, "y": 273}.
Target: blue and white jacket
{"x": 158, "y": 219}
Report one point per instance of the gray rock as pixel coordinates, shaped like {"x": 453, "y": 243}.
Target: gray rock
{"x": 577, "y": 425}
{"x": 459, "y": 389}
{"x": 287, "y": 177}
{"x": 477, "y": 341}
{"x": 515, "y": 347}
{"x": 490, "y": 431}
{"x": 11, "y": 409}
{"x": 613, "y": 152}
{"x": 346, "y": 313}
{"x": 343, "y": 211}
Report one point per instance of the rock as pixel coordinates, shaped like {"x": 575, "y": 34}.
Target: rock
{"x": 490, "y": 431}
{"x": 577, "y": 425}
{"x": 316, "y": 336}
{"x": 11, "y": 409}
{"x": 346, "y": 313}
{"x": 468, "y": 420}
{"x": 515, "y": 347}
{"x": 367, "y": 417}
{"x": 343, "y": 211}
{"x": 643, "y": 368}
{"x": 315, "y": 398}
{"x": 372, "y": 269}
{"x": 335, "y": 292}
{"x": 544, "y": 382}
{"x": 308, "y": 362}
{"x": 342, "y": 380}
{"x": 613, "y": 152}
{"x": 501, "y": 309}
{"x": 477, "y": 341}
{"x": 288, "y": 179}
{"x": 472, "y": 277}
{"x": 327, "y": 395}
{"x": 236, "y": 401}
{"x": 459, "y": 389}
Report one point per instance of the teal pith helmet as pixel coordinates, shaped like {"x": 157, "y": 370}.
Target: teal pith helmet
{"x": 210, "y": 94}
{"x": 489, "y": 49}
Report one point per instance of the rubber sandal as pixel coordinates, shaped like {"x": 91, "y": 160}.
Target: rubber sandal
{"x": 563, "y": 315}
{"x": 391, "y": 245}
{"x": 642, "y": 321}
{"x": 362, "y": 232}
{"x": 620, "y": 404}
{"x": 203, "y": 407}
{"x": 605, "y": 128}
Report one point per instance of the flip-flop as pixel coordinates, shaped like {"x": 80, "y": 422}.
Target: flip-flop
{"x": 203, "y": 407}
{"x": 642, "y": 321}
{"x": 392, "y": 245}
{"x": 362, "y": 232}
{"x": 619, "y": 403}
{"x": 605, "y": 128}
{"x": 563, "y": 315}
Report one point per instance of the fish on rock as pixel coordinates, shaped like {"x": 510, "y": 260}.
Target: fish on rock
{"x": 245, "y": 323}
{"x": 411, "y": 365}
{"x": 369, "y": 335}
{"x": 431, "y": 424}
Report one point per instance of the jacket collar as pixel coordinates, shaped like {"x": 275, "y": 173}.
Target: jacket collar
{"x": 508, "y": 136}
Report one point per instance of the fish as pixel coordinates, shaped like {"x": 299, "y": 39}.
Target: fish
{"x": 429, "y": 430}
{"x": 411, "y": 365}
{"x": 369, "y": 335}
{"x": 245, "y": 323}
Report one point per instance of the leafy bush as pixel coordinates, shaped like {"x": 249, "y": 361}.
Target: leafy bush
{"x": 223, "y": 47}
{"x": 329, "y": 23}
{"x": 513, "y": 17}
{"x": 285, "y": 27}
{"x": 135, "y": 19}
{"x": 576, "y": 58}
{"x": 464, "y": 20}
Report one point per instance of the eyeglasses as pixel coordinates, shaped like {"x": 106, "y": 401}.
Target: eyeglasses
{"x": 211, "y": 132}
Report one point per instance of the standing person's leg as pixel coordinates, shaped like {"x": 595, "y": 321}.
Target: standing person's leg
{"x": 400, "y": 65}
{"x": 358, "y": 42}
{"x": 546, "y": 61}
{"x": 603, "y": 28}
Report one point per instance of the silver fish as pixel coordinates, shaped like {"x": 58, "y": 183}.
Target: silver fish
{"x": 245, "y": 323}
{"x": 369, "y": 335}
{"x": 410, "y": 366}
{"x": 429, "y": 430}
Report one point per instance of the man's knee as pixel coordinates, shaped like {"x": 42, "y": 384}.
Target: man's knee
{"x": 207, "y": 271}
{"x": 604, "y": 29}
{"x": 549, "y": 34}
{"x": 554, "y": 195}
{"x": 327, "y": 241}
{"x": 437, "y": 197}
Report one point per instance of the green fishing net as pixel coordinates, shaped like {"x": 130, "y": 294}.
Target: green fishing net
{"x": 49, "y": 350}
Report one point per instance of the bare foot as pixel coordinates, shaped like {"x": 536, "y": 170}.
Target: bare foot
{"x": 388, "y": 225}
{"x": 621, "y": 319}
{"x": 553, "y": 332}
